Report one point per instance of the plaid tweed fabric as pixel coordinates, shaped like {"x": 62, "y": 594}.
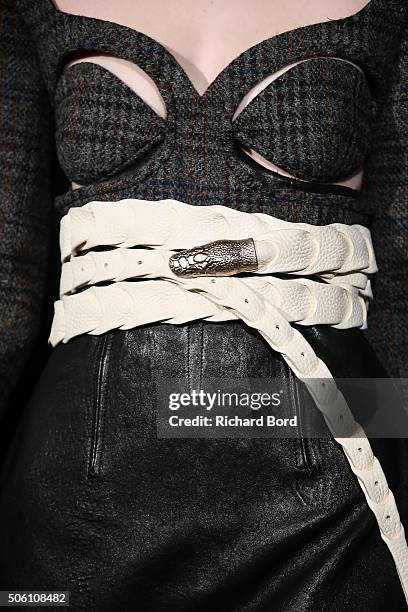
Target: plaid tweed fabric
{"x": 386, "y": 189}
{"x": 26, "y": 149}
{"x": 333, "y": 99}
{"x": 93, "y": 113}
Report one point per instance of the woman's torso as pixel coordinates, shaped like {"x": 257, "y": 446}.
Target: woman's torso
{"x": 241, "y": 502}
{"x": 313, "y": 123}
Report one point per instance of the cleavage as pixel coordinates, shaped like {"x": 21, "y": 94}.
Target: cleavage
{"x": 206, "y": 36}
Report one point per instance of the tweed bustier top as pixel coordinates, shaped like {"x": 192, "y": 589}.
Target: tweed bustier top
{"x": 325, "y": 117}
{"x": 314, "y": 121}
{"x": 332, "y": 106}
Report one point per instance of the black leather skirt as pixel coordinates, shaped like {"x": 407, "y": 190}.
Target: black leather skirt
{"x": 94, "y": 502}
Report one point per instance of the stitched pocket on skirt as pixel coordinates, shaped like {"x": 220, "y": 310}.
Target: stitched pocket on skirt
{"x": 102, "y": 360}
{"x": 305, "y": 456}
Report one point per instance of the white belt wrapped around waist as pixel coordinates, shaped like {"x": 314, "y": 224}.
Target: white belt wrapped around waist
{"x": 187, "y": 257}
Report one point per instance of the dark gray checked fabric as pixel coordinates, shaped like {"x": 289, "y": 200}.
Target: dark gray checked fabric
{"x": 386, "y": 189}
{"x": 97, "y": 115}
{"x": 332, "y": 109}
{"x": 26, "y": 154}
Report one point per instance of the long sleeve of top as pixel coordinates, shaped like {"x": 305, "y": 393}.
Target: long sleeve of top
{"x": 26, "y": 150}
{"x": 386, "y": 191}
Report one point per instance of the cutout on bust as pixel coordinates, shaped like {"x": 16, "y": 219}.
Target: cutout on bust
{"x": 206, "y": 36}
{"x": 93, "y": 110}
{"x": 256, "y": 90}
{"x": 354, "y": 181}
{"x": 131, "y": 75}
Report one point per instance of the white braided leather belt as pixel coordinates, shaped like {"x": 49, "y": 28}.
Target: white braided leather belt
{"x": 157, "y": 241}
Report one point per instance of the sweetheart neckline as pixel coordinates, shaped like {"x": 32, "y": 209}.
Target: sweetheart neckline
{"x": 217, "y": 81}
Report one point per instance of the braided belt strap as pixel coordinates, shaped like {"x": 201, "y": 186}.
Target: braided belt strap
{"x": 157, "y": 242}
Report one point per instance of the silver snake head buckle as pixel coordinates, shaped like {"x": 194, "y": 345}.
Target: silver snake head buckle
{"x": 218, "y": 258}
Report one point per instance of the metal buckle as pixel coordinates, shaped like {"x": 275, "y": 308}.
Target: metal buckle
{"x": 218, "y": 258}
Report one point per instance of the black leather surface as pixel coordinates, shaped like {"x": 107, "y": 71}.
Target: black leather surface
{"x": 159, "y": 525}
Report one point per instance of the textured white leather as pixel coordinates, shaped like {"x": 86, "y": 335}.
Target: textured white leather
{"x": 169, "y": 224}
{"x": 305, "y": 301}
{"x": 340, "y": 258}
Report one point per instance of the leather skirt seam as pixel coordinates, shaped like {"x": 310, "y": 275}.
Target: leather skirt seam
{"x": 99, "y": 407}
